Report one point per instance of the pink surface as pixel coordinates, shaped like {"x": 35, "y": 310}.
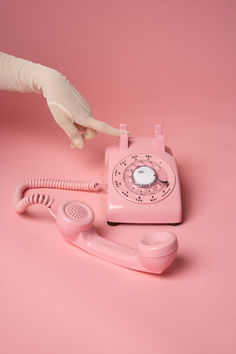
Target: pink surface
{"x": 140, "y": 62}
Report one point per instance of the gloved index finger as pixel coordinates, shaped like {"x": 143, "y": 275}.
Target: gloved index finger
{"x": 102, "y": 127}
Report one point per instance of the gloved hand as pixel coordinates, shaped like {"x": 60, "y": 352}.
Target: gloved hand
{"x": 70, "y": 110}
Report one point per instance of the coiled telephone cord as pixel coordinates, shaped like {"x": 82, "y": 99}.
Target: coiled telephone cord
{"x": 21, "y": 203}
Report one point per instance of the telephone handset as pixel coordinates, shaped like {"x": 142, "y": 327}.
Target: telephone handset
{"x": 141, "y": 175}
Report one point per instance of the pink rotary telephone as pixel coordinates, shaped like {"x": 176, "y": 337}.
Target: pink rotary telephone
{"x": 142, "y": 181}
{"x": 142, "y": 187}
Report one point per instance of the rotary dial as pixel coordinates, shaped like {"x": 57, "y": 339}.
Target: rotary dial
{"x": 143, "y": 178}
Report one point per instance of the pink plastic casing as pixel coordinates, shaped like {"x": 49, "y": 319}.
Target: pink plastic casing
{"x": 167, "y": 209}
{"x": 155, "y": 252}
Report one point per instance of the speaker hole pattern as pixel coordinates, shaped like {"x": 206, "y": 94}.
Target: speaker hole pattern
{"x": 76, "y": 212}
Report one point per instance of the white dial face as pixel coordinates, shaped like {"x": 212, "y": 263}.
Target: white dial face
{"x": 144, "y": 176}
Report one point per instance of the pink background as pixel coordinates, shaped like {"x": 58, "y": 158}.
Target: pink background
{"x": 140, "y": 62}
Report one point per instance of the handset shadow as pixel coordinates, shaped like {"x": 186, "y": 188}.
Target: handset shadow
{"x": 180, "y": 263}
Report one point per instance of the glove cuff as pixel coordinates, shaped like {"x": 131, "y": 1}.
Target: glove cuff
{"x": 22, "y": 75}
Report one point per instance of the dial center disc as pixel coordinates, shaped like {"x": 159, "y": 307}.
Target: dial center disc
{"x": 144, "y": 176}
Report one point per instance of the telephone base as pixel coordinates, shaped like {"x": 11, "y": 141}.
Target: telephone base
{"x": 142, "y": 181}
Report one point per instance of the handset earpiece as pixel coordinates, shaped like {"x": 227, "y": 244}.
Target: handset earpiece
{"x": 74, "y": 217}
{"x": 155, "y": 252}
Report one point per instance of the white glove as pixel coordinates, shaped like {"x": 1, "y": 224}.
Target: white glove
{"x": 70, "y": 110}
